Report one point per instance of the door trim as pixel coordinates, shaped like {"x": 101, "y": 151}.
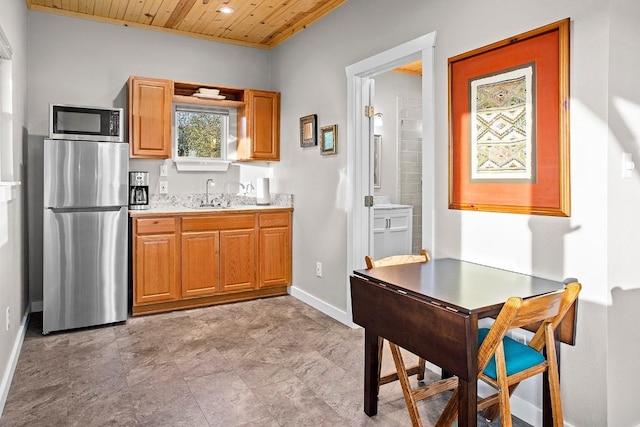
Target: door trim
{"x": 359, "y": 218}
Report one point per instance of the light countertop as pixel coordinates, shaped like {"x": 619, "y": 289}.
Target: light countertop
{"x": 182, "y": 210}
{"x": 390, "y": 206}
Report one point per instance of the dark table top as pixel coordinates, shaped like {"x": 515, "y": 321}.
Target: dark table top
{"x": 463, "y": 286}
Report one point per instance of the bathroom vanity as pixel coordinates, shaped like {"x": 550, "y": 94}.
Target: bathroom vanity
{"x": 392, "y": 230}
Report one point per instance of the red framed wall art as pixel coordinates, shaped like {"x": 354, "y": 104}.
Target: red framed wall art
{"x": 509, "y": 125}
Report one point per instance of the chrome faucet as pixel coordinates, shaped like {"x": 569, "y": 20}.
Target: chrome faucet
{"x": 247, "y": 190}
{"x": 206, "y": 191}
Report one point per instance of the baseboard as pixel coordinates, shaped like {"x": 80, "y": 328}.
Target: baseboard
{"x": 13, "y": 362}
{"x": 36, "y": 306}
{"x": 331, "y": 311}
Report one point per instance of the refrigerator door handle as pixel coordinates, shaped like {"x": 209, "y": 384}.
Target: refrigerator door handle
{"x": 88, "y": 209}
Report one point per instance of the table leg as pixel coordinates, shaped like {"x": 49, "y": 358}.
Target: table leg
{"x": 370, "y": 373}
{"x": 445, "y": 374}
{"x": 467, "y": 403}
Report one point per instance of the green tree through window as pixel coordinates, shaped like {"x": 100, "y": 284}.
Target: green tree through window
{"x": 201, "y": 133}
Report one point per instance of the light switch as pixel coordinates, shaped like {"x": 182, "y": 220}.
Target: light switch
{"x": 163, "y": 170}
{"x": 627, "y": 165}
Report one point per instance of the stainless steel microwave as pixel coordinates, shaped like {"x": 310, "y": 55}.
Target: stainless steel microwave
{"x": 86, "y": 123}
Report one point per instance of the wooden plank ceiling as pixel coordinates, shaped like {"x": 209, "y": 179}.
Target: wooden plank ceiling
{"x": 410, "y": 68}
{"x": 256, "y": 23}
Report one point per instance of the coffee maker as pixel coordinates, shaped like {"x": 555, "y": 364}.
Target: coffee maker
{"x": 138, "y": 190}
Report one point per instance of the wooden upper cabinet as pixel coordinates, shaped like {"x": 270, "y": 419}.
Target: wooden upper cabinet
{"x": 260, "y": 140}
{"x": 150, "y": 114}
{"x": 150, "y": 117}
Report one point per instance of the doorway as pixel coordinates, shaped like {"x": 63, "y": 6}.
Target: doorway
{"x": 397, "y": 164}
{"x": 360, "y": 133}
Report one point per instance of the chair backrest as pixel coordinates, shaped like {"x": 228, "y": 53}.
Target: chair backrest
{"x": 397, "y": 259}
{"x": 549, "y": 309}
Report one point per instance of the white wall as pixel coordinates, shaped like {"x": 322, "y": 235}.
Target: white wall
{"x": 13, "y": 243}
{"x": 93, "y": 69}
{"x": 545, "y": 246}
{"x": 623, "y": 206}
{"x": 580, "y": 246}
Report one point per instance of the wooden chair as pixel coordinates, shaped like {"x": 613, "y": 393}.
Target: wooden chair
{"x": 402, "y": 373}
{"x": 504, "y": 362}
{"x": 383, "y": 262}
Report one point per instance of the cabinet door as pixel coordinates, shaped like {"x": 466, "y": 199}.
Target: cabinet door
{"x": 392, "y": 232}
{"x": 399, "y": 232}
{"x": 379, "y": 233}
{"x": 237, "y": 260}
{"x": 262, "y": 139}
{"x": 200, "y": 264}
{"x": 275, "y": 256}
{"x": 156, "y": 269}
{"x": 150, "y": 117}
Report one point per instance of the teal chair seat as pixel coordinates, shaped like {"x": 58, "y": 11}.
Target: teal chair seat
{"x": 517, "y": 356}
{"x": 520, "y": 361}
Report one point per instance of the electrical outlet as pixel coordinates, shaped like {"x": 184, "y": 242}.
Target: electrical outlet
{"x": 164, "y": 187}
{"x": 319, "y": 269}
{"x": 163, "y": 170}
{"x": 8, "y": 318}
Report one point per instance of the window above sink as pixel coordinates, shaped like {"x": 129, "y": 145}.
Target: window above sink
{"x": 201, "y": 137}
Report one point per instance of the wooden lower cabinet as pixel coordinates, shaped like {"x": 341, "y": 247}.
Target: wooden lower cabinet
{"x": 155, "y": 257}
{"x": 275, "y": 249}
{"x": 237, "y": 260}
{"x": 200, "y": 264}
{"x": 218, "y": 258}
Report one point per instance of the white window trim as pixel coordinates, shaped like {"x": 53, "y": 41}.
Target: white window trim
{"x": 8, "y": 189}
{"x": 200, "y": 165}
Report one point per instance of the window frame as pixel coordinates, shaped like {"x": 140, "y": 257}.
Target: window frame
{"x": 185, "y": 163}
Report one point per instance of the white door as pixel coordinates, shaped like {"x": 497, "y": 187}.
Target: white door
{"x": 370, "y": 87}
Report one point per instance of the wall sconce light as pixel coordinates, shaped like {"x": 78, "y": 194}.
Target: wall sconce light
{"x": 377, "y": 124}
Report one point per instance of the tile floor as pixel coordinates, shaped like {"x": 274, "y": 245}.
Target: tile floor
{"x": 269, "y": 362}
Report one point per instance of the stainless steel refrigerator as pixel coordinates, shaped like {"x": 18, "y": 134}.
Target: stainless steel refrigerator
{"x": 84, "y": 233}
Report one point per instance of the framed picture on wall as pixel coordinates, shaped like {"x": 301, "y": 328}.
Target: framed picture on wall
{"x": 309, "y": 131}
{"x": 329, "y": 139}
{"x": 509, "y": 125}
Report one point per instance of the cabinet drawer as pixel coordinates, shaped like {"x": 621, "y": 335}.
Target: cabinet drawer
{"x": 207, "y": 223}
{"x": 276, "y": 219}
{"x": 155, "y": 225}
